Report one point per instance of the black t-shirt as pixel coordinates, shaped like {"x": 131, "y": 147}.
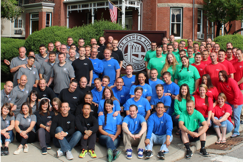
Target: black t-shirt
{"x": 74, "y": 99}
{"x": 43, "y": 119}
{"x": 82, "y": 68}
{"x": 90, "y": 123}
{"x": 119, "y": 54}
{"x": 101, "y": 49}
{"x": 94, "y": 110}
{"x": 48, "y": 93}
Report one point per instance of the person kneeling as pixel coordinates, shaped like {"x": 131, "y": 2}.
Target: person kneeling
{"x": 190, "y": 130}
{"x": 63, "y": 129}
{"x": 134, "y": 129}
{"x": 87, "y": 124}
{"x": 160, "y": 127}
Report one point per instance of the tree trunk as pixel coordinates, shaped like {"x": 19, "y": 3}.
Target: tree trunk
{"x": 219, "y": 24}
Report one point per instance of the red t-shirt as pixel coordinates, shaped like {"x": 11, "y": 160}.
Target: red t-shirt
{"x": 233, "y": 61}
{"x": 206, "y": 63}
{"x": 229, "y": 66}
{"x": 200, "y": 68}
{"x": 239, "y": 73}
{"x": 212, "y": 93}
{"x": 231, "y": 91}
{"x": 219, "y": 112}
{"x": 201, "y": 106}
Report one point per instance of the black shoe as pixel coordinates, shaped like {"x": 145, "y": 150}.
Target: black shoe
{"x": 44, "y": 151}
{"x": 148, "y": 154}
{"x": 5, "y": 151}
{"x": 161, "y": 155}
{"x": 203, "y": 152}
{"x": 116, "y": 154}
{"x": 48, "y": 146}
{"x": 188, "y": 154}
{"x": 2, "y": 151}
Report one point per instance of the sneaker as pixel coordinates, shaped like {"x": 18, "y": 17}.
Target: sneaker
{"x": 48, "y": 146}
{"x": 116, "y": 154}
{"x": 148, "y": 154}
{"x": 59, "y": 153}
{"x": 161, "y": 155}
{"x": 140, "y": 153}
{"x": 5, "y": 151}
{"x": 2, "y": 151}
{"x": 129, "y": 154}
{"x": 44, "y": 151}
{"x": 188, "y": 154}
{"x": 16, "y": 152}
{"x": 92, "y": 153}
{"x": 83, "y": 153}
{"x": 203, "y": 152}
{"x": 69, "y": 155}
{"x": 26, "y": 148}
{"x": 110, "y": 155}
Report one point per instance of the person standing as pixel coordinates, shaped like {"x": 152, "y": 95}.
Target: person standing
{"x": 239, "y": 69}
{"x": 129, "y": 79}
{"x": 7, "y": 95}
{"x": 117, "y": 52}
{"x": 230, "y": 68}
{"x": 42, "y": 56}
{"x": 150, "y": 53}
{"x": 97, "y": 64}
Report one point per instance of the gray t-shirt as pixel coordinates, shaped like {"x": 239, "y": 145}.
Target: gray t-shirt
{"x": 21, "y": 96}
{"x": 37, "y": 65}
{"x": 41, "y": 59}
{"x": 61, "y": 76}
{"x": 7, "y": 98}
{"x": 25, "y": 122}
{"x": 46, "y": 70}
{"x": 31, "y": 73}
{"x": 16, "y": 61}
{"x": 6, "y": 122}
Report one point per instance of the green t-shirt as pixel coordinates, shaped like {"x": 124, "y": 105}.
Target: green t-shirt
{"x": 187, "y": 76}
{"x": 149, "y": 54}
{"x": 172, "y": 72}
{"x": 177, "y": 55}
{"x": 180, "y": 106}
{"x": 191, "y": 122}
{"x": 191, "y": 60}
{"x": 157, "y": 63}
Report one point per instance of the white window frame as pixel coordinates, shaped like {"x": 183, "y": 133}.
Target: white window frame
{"x": 181, "y": 10}
{"x": 201, "y": 23}
{"x": 32, "y": 19}
{"x": 241, "y": 26}
{"x": 18, "y": 21}
{"x": 50, "y": 19}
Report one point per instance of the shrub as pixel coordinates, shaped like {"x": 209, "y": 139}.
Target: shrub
{"x": 9, "y": 50}
{"x": 178, "y": 40}
{"x": 236, "y": 40}
{"x": 57, "y": 33}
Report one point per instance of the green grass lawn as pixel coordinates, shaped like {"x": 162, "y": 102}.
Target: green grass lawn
{"x": 2, "y": 84}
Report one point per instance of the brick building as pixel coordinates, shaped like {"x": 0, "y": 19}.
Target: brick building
{"x": 174, "y": 16}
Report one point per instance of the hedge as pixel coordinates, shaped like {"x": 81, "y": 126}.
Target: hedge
{"x": 57, "y": 33}
{"x": 236, "y": 40}
{"x": 9, "y": 50}
{"x": 178, "y": 40}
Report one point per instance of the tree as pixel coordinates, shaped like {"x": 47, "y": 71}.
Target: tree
{"x": 10, "y": 10}
{"x": 223, "y": 12}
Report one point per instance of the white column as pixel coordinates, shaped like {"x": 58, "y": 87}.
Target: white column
{"x": 222, "y": 29}
{"x": 123, "y": 13}
{"x": 67, "y": 18}
{"x": 92, "y": 12}
{"x": 139, "y": 17}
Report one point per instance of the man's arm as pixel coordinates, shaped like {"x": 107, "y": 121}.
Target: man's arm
{"x": 117, "y": 73}
{"x": 204, "y": 128}
{"x": 125, "y": 129}
{"x": 232, "y": 75}
{"x": 14, "y": 69}
{"x": 240, "y": 81}
{"x": 147, "y": 114}
{"x": 50, "y": 81}
{"x": 121, "y": 62}
{"x": 90, "y": 77}
{"x": 143, "y": 128}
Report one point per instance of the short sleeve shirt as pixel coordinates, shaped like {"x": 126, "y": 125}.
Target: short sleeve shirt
{"x": 31, "y": 73}
{"x": 25, "y": 122}
{"x": 7, "y": 121}
{"x": 16, "y": 61}
{"x": 7, "y": 98}
{"x": 134, "y": 124}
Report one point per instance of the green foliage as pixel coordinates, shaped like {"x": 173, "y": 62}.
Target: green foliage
{"x": 10, "y": 10}
{"x": 57, "y": 33}
{"x": 9, "y": 50}
{"x": 236, "y": 40}
{"x": 178, "y": 40}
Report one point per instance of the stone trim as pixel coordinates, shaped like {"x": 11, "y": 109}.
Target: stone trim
{"x": 189, "y": 5}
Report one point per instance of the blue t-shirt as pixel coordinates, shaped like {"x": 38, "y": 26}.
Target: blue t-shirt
{"x": 110, "y": 67}
{"x": 98, "y": 68}
{"x": 121, "y": 95}
{"x": 97, "y": 96}
{"x": 159, "y": 126}
{"x": 147, "y": 90}
{"x": 111, "y": 122}
{"x": 166, "y": 100}
{"x": 128, "y": 81}
{"x": 171, "y": 88}
{"x": 153, "y": 84}
{"x": 115, "y": 108}
{"x": 142, "y": 104}
{"x": 134, "y": 124}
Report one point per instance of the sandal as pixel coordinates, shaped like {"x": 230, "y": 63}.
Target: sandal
{"x": 218, "y": 142}
{"x": 222, "y": 141}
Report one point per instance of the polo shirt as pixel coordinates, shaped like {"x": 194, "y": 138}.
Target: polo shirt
{"x": 147, "y": 90}
{"x": 82, "y": 68}
{"x": 180, "y": 106}
{"x": 153, "y": 85}
{"x": 191, "y": 122}
{"x": 116, "y": 106}
{"x": 157, "y": 63}
{"x": 69, "y": 61}
{"x": 7, "y": 121}
{"x": 25, "y": 122}
{"x": 62, "y": 75}
{"x": 98, "y": 68}
{"x": 31, "y": 73}
{"x": 46, "y": 70}
{"x": 41, "y": 59}
{"x": 134, "y": 124}
{"x": 110, "y": 67}
{"x": 239, "y": 72}
{"x": 128, "y": 82}
{"x": 97, "y": 95}
{"x": 149, "y": 54}
{"x": 37, "y": 65}
{"x": 16, "y": 61}
{"x": 47, "y": 93}
{"x": 10, "y": 98}
{"x": 122, "y": 95}
{"x": 142, "y": 104}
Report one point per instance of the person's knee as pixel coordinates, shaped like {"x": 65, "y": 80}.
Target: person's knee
{"x": 78, "y": 134}
{"x": 41, "y": 131}
{"x": 59, "y": 129}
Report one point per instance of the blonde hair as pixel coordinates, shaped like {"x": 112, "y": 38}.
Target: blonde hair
{"x": 167, "y": 64}
{"x": 223, "y": 96}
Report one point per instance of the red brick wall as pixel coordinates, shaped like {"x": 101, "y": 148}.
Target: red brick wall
{"x": 135, "y": 20}
{"x": 163, "y": 19}
{"x": 27, "y": 25}
{"x": 42, "y": 20}
{"x": 59, "y": 13}
{"x": 149, "y": 14}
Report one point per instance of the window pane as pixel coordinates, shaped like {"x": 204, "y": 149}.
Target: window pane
{"x": 34, "y": 16}
{"x": 175, "y": 15}
{"x": 35, "y": 26}
{"x": 199, "y": 18}
{"x": 198, "y": 27}
{"x": 20, "y": 23}
{"x": 16, "y": 23}
{"x": 176, "y": 29}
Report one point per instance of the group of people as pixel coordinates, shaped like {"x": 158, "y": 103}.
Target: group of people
{"x": 76, "y": 94}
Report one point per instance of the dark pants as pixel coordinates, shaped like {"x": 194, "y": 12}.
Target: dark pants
{"x": 44, "y": 137}
{"x": 31, "y": 136}
{"x": 90, "y": 142}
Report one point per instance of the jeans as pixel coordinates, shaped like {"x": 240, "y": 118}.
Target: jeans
{"x": 68, "y": 142}
{"x": 108, "y": 142}
{"x": 236, "y": 117}
{"x": 200, "y": 124}
{"x": 229, "y": 126}
{"x": 3, "y": 139}
{"x": 158, "y": 139}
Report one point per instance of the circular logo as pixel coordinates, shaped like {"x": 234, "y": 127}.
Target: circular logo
{"x": 134, "y": 47}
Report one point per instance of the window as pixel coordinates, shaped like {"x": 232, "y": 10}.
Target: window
{"x": 200, "y": 21}
{"x": 241, "y": 26}
{"x": 17, "y": 23}
{"x": 48, "y": 19}
{"x": 176, "y": 22}
{"x": 34, "y": 22}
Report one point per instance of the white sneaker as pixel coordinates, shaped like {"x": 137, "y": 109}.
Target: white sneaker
{"x": 59, "y": 153}
{"x": 26, "y": 149}
{"x": 16, "y": 152}
{"x": 69, "y": 155}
